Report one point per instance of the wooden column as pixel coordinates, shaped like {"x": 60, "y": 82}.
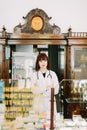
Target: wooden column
{"x": 52, "y": 110}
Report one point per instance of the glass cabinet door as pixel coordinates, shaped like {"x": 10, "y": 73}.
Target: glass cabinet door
{"x": 79, "y": 62}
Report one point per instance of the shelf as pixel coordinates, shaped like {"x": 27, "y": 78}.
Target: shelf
{"x": 19, "y": 100}
{"x": 75, "y": 100}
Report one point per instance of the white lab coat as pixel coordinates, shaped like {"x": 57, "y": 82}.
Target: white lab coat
{"x": 38, "y": 81}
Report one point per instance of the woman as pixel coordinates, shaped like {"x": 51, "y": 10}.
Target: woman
{"x": 43, "y": 80}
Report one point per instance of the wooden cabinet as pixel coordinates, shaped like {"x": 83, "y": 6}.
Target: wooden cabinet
{"x": 2, "y": 60}
{"x": 69, "y": 49}
{"x": 76, "y": 70}
{"x": 77, "y": 62}
{"x": 77, "y": 56}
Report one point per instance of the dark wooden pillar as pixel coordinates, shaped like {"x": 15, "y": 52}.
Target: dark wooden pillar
{"x": 52, "y": 110}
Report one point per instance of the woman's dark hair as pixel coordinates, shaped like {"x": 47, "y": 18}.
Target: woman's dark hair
{"x": 42, "y": 56}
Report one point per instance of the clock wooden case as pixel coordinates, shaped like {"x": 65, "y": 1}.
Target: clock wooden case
{"x": 37, "y": 21}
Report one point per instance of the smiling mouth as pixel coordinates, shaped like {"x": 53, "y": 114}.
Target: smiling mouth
{"x": 43, "y": 65}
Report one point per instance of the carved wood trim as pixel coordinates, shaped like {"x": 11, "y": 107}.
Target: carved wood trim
{"x": 27, "y": 27}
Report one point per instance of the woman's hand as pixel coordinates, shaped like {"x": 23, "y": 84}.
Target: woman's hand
{"x": 49, "y": 87}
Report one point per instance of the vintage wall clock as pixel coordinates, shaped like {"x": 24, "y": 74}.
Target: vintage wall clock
{"x": 37, "y": 23}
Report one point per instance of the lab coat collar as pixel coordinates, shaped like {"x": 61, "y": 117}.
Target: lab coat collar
{"x": 47, "y": 72}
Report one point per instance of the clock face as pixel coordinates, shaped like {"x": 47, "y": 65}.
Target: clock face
{"x": 37, "y": 23}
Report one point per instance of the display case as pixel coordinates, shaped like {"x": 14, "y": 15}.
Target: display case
{"x": 73, "y": 97}
{"x": 79, "y": 62}
{"x": 23, "y": 65}
{"x": 19, "y": 107}
{"x": 18, "y": 113}
{"x": 18, "y": 102}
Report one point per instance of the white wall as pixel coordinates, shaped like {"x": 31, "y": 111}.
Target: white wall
{"x": 64, "y": 13}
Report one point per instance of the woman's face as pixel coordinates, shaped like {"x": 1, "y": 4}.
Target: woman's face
{"x": 43, "y": 64}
